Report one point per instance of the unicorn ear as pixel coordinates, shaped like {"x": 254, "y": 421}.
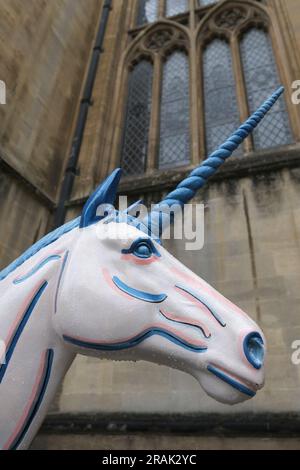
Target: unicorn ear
{"x": 104, "y": 194}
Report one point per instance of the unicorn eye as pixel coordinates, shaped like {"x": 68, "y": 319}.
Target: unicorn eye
{"x": 143, "y": 250}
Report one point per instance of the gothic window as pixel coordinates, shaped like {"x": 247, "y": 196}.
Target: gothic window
{"x": 220, "y": 102}
{"x": 238, "y": 57}
{"x": 261, "y": 78}
{"x": 147, "y": 11}
{"x": 174, "y": 7}
{"x": 137, "y": 121}
{"x": 175, "y": 110}
{"x": 166, "y": 143}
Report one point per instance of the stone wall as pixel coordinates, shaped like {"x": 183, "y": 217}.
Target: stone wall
{"x": 45, "y": 48}
{"x": 161, "y": 442}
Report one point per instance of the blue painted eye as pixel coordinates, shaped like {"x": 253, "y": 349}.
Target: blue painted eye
{"x": 143, "y": 250}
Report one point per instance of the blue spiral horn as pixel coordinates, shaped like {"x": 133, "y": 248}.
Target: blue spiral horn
{"x": 186, "y": 190}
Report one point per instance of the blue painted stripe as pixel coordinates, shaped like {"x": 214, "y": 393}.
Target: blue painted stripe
{"x": 15, "y": 337}
{"x": 36, "y": 268}
{"x": 135, "y": 341}
{"x": 234, "y": 383}
{"x": 59, "y": 279}
{"x": 138, "y": 294}
{"x": 197, "y": 297}
{"x": 37, "y": 400}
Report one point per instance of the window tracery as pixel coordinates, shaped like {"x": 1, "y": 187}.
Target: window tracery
{"x": 237, "y": 70}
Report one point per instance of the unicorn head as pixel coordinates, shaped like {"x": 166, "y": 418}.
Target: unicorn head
{"x": 123, "y": 296}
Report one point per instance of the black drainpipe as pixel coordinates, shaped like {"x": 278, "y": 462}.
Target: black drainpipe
{"x": 71, "y": 170}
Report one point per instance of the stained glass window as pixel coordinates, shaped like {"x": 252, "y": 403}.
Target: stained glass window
{"x": 147, "y": 11}
{"x": 174, "y": 115}
{"x": 261, "y": 77}
{"x": 137, "y": 122}
{"x": 220, "y": 101}
{"x": 174, "y": 7}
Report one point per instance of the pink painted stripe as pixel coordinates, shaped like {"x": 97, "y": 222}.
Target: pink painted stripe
{"x": 24, "y": 306}
{"x": 202, "y": 285}
{"x": 191, "y": 321}
{"x": 28, "y": 407}
{"x": 140, "y": 261}
{"x": 34, "y": 262}
{"x": 198, "y": 303}
{"x": 111, "y": 284}
{"x": 245, "y": 382}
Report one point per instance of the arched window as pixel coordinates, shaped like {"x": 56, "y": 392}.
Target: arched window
{"x": 169, "y": 121}
{"x": 239, "y": 73}
{"x": 174, "y": 139}
{"x": 220, "y": 102}
{"x": 137, "y": 121}
{"x": 261, "y": 78}
{"x": 166, "y": 143}
{"x": 174, "y": 7}
{"x": 147, "y": 11}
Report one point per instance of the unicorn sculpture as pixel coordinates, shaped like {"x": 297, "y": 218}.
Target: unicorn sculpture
{"x": 81, "y": 289}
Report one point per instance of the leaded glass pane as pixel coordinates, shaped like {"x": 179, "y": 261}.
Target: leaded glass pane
{"x": 174, "y": 7}
{"x": 203, "y": 3}
{"x": 137, "y": 123}
{"x": 174, "y": 114}
{"x": 147, "y": 11}
{"x": 220, "y": 102}
{"x": 262, "y": 79}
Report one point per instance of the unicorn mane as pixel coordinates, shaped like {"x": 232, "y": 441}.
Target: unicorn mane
{"x": 39, "y": 245}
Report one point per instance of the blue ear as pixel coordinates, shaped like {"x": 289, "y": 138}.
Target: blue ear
{"x": 104, "y": 194}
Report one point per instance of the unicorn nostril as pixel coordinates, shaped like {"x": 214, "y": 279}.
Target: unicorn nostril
{"x": 254, "y": 349}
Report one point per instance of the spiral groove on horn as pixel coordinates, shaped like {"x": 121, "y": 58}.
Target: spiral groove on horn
{"x": 187, "y": 189}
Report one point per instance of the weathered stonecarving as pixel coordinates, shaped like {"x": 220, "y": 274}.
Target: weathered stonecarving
{"x": 104, "y": 286}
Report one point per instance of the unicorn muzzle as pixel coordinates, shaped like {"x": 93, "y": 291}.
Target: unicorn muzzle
{"x": 246, "y": 388}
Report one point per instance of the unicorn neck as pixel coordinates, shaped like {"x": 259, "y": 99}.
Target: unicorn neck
{"x": 35, "y": 357}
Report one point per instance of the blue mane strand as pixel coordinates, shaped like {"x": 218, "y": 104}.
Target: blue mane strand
{"x": 42, "y": 243}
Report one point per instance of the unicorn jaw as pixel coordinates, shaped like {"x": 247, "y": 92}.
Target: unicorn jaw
{"x": 239, "y": 385}
{"x": 231, "y": 380}
{"x": 159, "y": 352}
{"x": 224, "y": 392}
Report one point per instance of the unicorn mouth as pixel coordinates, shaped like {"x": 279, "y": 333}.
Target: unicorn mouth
{"x": 242, "y": 385}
